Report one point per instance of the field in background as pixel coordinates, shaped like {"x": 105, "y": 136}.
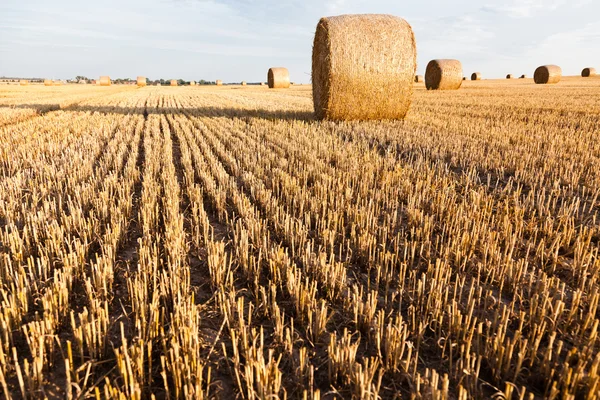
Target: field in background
{"x": 219, "y": 242}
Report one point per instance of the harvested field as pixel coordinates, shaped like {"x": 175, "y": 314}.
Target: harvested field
{"x": 210, "y": 242}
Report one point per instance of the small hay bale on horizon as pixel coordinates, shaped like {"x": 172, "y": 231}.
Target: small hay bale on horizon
{"x": 141, "y": 81}
{"x": 244, "y": 83}
{"x": 219, "y": 82}
{"x": 24, "y": 82}
{"x": 278, "y": 78}
{"x": 509, "y": 76}
{"x": 547, "y": 74}
{"x": 192, "y": 83}
{"x": 443, "y": 75}
{"x": 419, "y": 78}
{"x": 523, "y": 76}
{"x": 105, "y": 81}
{"x": 262, "y": 84}
{"x": 588, "y": 72}
{"x": 174, "y": 82}
{"x": 47, "y": 82}
{"x": 363, "y": 67}
{"x": 476, "y": 76}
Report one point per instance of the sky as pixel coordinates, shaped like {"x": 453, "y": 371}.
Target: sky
{"x": 237, "y": 40}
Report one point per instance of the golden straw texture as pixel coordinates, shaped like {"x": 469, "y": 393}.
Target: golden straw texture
{"x": 278, "y": 78}
{"x": 363, "y": 67}
{"x": 105, "y": 81}
{"x": 24, "y": 82}
{"x": 47, "y": 82}
{"x": 547, "y": 74}
{"x": 588, "y": 72}
{"x": 244, "y": 83}
{"x": 141, "y": 81}
{"x": 219, "y": 82}
{"x": 174, "y": 82}
{"x": 443, "y": 75}
{"x": 476, "y": 76}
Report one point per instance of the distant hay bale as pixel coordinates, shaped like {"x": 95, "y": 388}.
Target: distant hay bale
{"x": 193, "y": 83}
{"x": 476, "y": 76}
{"x": 244, "y": 83}
{"x": 523, "y": 76}
{"x": 262, "y": 84}
{"x": 363, "y": 67}
{"x": 443, "y": 75}
{"x": 278, "y": 78}
{"x": 47, "y": 82}
{"x": 174, "y": 82}
{"x": 547, "y": 74}
{"x": 157, "y": 83}
{"x": 464, "y": 78}
{"x": 419, "y": 78}
{"x": 24, "y": 82}
{"x": 141, "y": 81}
{"x": 105, "y": 81}
{"x": 588, "y": 72}
{"x": 509, "y": 76}
{"x": 219, "y": 82}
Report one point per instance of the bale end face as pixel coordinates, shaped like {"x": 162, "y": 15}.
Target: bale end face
{"x": 476, "y": 76}
{"x": 588, "y": 72}
{"x": 443, "y": 75}
{"x": 278, "y": 78}
{"x": 363, "y": 67}
{"x": 547, "y": 74}
{"x": 509, "y": 76}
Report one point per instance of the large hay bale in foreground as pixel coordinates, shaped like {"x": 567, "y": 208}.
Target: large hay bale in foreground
{"x": 443, "y": 75}
{"x": 588, "y": 72}
{"x": 24, "y": 82}
{"x": 141, "y": 81}
{"x": 174, "y": 82}
{"x": 419, "y": 78}
{"x": 219, "y": 82}
{"x": 47, "y": 82}
{"x": 547, "y": 74}
{"x": 363, "y": 67}
{"x": 509, "y": 76}
{"x": 278, "y": 78}
{"x": 476, "y": 76}
{"x": 105, "y": 81}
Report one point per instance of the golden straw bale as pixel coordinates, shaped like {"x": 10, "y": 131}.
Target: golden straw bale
{"x": 174, "y": 82}
{"x": 523, "y": 76}
{"x": 278, "y": 78}
{"x": 547, "y": 74}
{"x": 419, "y": 78}
{"x": 509, "y": 76}
{"x": 47, "y": 82}
{"x": 219, "y": 82}
{"x": 193, "y": 83}
{"x": 363, "y": 67}
{"x": 443, "y": 75}
{"x": 24, "y": 82}
{"x": 588, "y": 72}
{"x": 105, "y": 81}
{"x": 262, "y": 84}
{"x": 244, "y": 83}
{"x": 476, "y": 76}
{"x": 141, "y": 81}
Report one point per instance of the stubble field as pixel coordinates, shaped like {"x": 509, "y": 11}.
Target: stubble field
{"x": 200, "y": 242}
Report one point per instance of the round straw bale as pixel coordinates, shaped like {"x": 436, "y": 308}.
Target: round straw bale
{"x": 174, "y": 82}
{"x": 278, "y": 78}
{"x": 523, "y": 76}
{"x": 219, "y": 82}
{"x": 24, "y": 82}
{"x": 262, "y": 84}
{"x": 193, "y": 83}
{"x": 443, "y": 75}
{"x": 509, "y": 76}
{"x": 587, "y": 72}
{"x": 244, "y": 83}
{"x": 105, "y": 81}
{"x": 419, "y": 78}
{"x": 547, "y": 74}
{"x": 47, "y": 82}
{"x": 476, "y": 76}
{"x": 141, "y": 81}
{"x": 363, "y": 67}
{"x": 464, "y": 78}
